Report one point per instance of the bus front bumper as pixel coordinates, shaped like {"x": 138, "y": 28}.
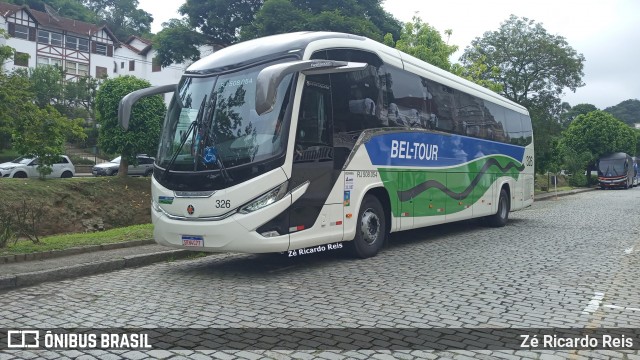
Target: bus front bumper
{"x": 232, "y": 234}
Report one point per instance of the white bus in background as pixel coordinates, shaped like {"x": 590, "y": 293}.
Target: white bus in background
{"x": 298, "y": 140}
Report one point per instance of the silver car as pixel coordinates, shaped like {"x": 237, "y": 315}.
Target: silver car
{"x": 27, "y": 167}
{"x": 144, "y": 167}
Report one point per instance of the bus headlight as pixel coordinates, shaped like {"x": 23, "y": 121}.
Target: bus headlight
{"x": 266, "y": 199}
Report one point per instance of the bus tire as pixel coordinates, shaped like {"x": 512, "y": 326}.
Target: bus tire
{"x": 371, "y": 229}
{"x": 500, "y": 218}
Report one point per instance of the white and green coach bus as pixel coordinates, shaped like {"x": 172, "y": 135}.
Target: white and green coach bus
{"x": 310, "y": 139}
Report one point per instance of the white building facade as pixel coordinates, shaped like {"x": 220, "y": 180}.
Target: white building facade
{"x": 80, "y": 48}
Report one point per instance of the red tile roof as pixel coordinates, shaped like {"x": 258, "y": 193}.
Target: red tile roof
{"x": 59, "y": 22}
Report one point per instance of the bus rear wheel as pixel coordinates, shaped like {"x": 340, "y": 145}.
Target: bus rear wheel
{"x": 500, "y": 218}
{"x": 371, "y": 229}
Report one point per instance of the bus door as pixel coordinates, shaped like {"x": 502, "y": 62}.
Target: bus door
{"x": 313, "y": 161}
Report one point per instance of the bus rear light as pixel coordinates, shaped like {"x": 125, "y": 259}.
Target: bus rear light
{"x": 296, "y": 228}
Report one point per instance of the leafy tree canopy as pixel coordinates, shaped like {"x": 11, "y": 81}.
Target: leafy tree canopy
{"x": 569, "y": 113}
{"x": 224, "y": 22}
{"x": 46, "y": 84}
{"x": 14, "y": 91}
{"x": 533, "y": 64}
{"x": 123, "y": 17}
{"x": 42, "y": 133}
{"x": 360, "y": 17}
{"x": 423, "y": 41}
{"x": 177, "y": 43}
{"x": 628, "y": 111}
{"x": 220, "y": 20}
{"x": 598, "y": 133}
{"x": 144, "y": 127}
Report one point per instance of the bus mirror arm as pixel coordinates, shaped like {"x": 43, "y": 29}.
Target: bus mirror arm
{"x": 270, "y": 77}
{"x": 127, "y": 102}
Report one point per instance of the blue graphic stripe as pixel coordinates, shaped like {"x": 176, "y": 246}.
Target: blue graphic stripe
{"x": 434, "y": 150}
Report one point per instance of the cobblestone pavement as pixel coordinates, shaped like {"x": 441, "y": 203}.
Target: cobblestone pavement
{"x": 571, "y": 262}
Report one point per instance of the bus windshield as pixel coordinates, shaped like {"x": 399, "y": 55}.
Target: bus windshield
{"x": 611, "y": 167}
{"x": 212, "y": 124}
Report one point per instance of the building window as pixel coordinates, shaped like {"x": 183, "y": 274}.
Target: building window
{"x": 155, "y": 66}
{"x": 101, "y": 49}
{"x": 101, "y": 72}
{"x": 75, "y": 68}
{"x": 21, "y": 59}
{"x": 132, "y": 65}
{"x": 47, "y": 61}
{"x": 21, "y": 32}
{"x": 122, "y": 65}
{"x": 72, "y": 42}
{"x": 51, "y": 38}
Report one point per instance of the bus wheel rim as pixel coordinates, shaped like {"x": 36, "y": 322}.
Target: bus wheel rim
{"x": 370, "y": 226}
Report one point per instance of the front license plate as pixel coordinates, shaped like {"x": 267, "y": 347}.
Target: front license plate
{"x": 192, "y": 240}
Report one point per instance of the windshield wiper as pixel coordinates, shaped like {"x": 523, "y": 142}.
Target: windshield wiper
{"x": 192, "y": 128}
{"x": 209, "y": 137}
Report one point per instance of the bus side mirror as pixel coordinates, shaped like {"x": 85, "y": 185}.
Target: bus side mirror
{"x": 127, "y": 102}
{"x": 270, "y": 77}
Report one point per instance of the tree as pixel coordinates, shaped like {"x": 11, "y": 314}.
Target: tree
{"x": 177, "y": 43}
{"x": 532, "y": 62}
{"x": 6, "y": 52}
{"x": 123, "y": 17}
{"x": 425, "y": 42}
{"x": 80, "y": 97}
{"x": 47, "y": 84}
{"x": 220, "y": 20}
{"x": 597, "y": 133}
{"x": 42, "y": 133}
{"x": 144, "y": 127}
{"x": 570, "y": 113}
{"x": 14, "y": 92}
{"x": 360, "y": 17}
{"x": 535, "y": 68}
{"x": 474, "y": 73}
{"x": 627, "y": 111}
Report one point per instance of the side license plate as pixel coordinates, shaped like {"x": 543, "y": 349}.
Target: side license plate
{"x": 192, "y": 240}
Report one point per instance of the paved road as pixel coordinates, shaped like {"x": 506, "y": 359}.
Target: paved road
{"x": 571, "y": 262}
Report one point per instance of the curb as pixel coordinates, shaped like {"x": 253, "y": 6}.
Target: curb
{"x": 80, "y": 270}
{"x": 5, "y": 259}
{"x": 563, "y": 193}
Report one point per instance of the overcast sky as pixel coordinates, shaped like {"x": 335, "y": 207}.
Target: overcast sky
{"x": 606, "y": 32}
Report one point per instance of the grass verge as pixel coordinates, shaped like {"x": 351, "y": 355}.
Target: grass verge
{"x": 66, "y": 241}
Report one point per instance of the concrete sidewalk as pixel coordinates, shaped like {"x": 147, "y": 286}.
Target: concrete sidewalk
{"x": 27, "y": 270}
{"x": 552, "y": 195}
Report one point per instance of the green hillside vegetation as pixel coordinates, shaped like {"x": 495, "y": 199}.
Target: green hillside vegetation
{"x": 627, "y": 111}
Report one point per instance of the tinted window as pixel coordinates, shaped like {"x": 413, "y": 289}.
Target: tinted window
{"x": 359, "y": 97}
{"x": 314, "y": 133}
{"x": 409, "y": 99}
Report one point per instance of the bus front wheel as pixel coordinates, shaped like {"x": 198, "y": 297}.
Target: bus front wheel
{"x": 501, "y": 217}
{"x": 371, "y": 229}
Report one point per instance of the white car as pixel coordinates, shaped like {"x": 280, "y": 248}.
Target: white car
{"x": 27, "y": 167}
